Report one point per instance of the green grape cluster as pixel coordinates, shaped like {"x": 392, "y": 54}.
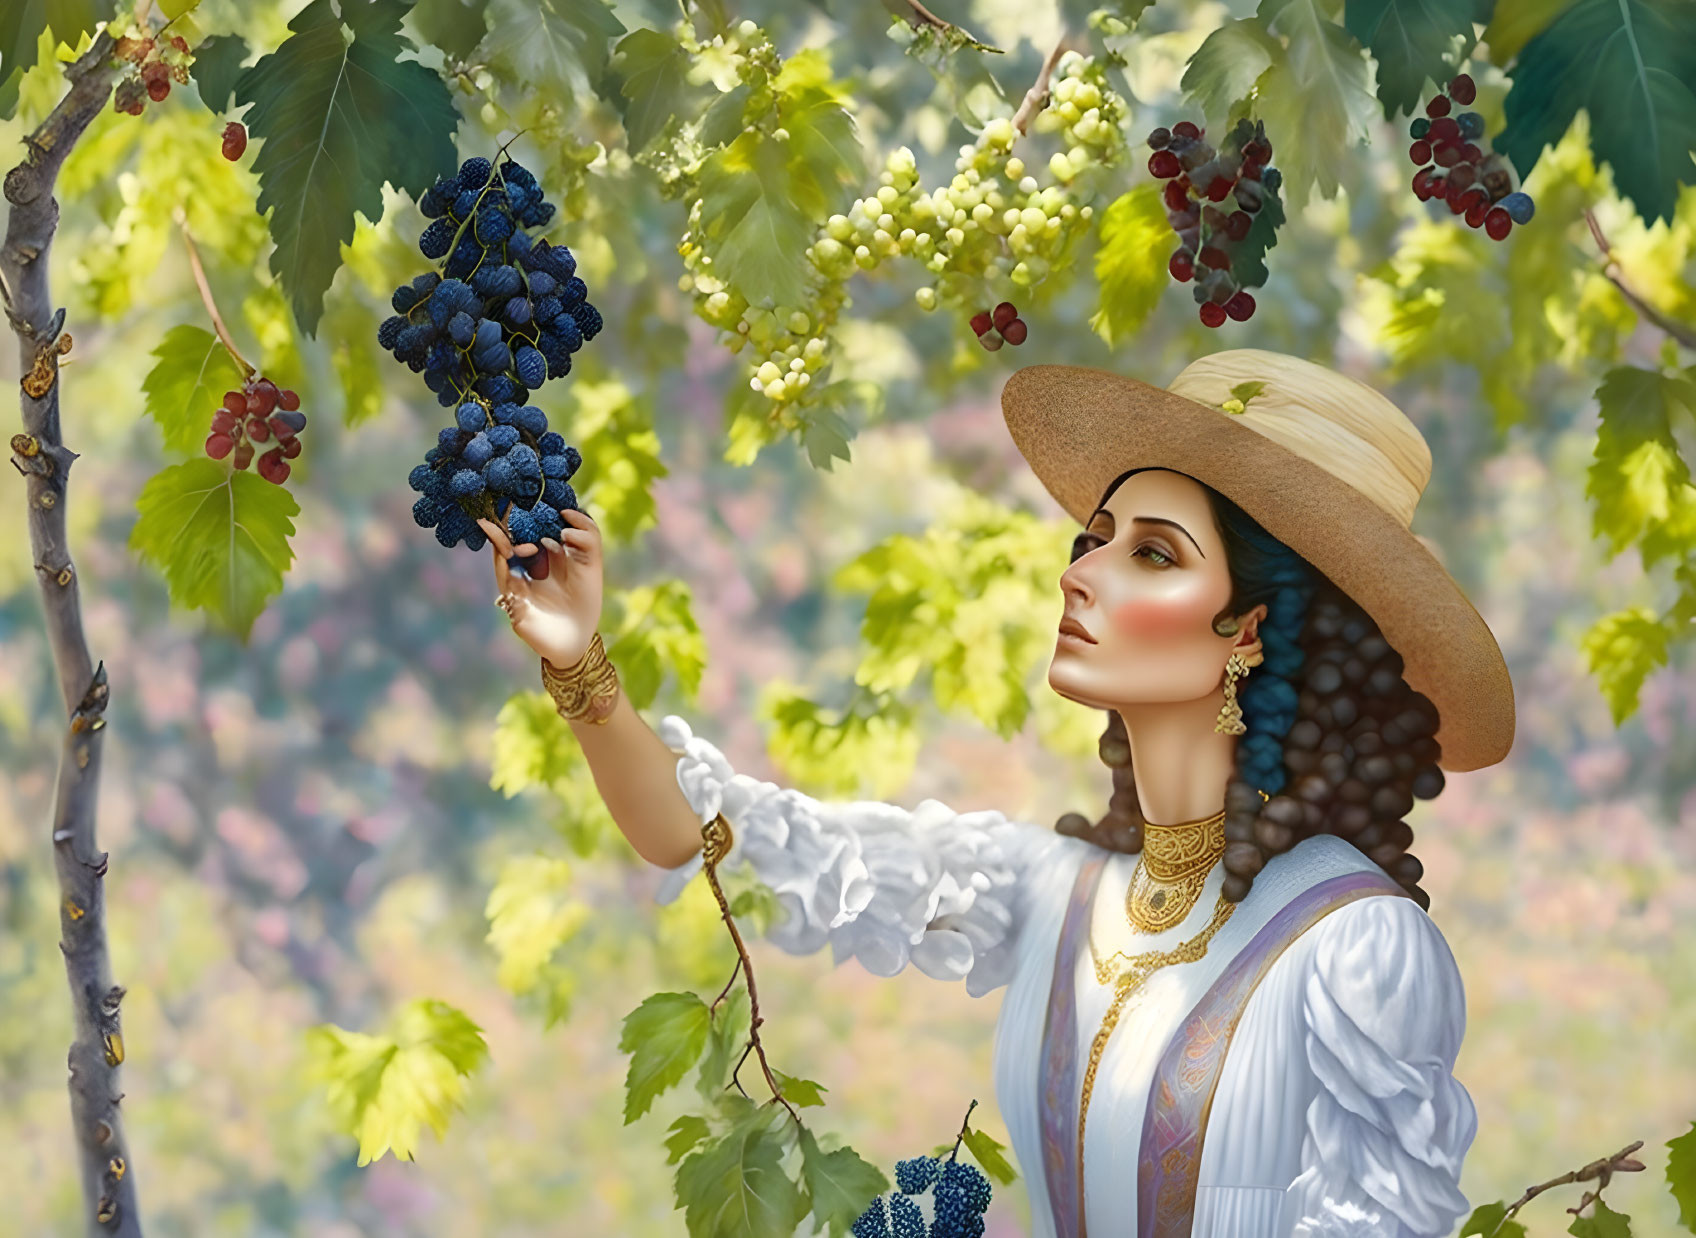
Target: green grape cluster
{"x": 994, "y": 224}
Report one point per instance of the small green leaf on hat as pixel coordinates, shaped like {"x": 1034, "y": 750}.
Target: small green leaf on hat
{"x": 1241, "y": 394}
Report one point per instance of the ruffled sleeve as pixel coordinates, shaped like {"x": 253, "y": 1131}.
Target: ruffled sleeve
{"x": 1390, "y": 1125}
{"x": 881, "y": 884}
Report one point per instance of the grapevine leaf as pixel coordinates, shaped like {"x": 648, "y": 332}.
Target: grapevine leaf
{"x": 1130, "y": 264}
{"x": 1248, "y": 260}
{"x": 531, "y": 914}
{"x": 22, "y": 21}
{"x": 219, "y": 535}
{"x": 455, "y": 26}
{"x": 757, "y": 904}
{"x": 735, "y": 1187}
{"x": 217, "y": 65}
{"x": 841, "y": 1183}
{"x": 1247, "y": 391}
{"x": 653, "y": 66}
{"x": 802, "y": 1093}
{"x": 1411, "y": 40}
{"x": 187, "y": 385}
{"x": 826, "y": 436}
{"x": 339, "y": 113}
{"x": 1224, "y": 69}
{"x": 987, "y": 1150}
{"x": 686, "y": 1132}
{"x": 761, "y": 195}
{"x": 1490, "y": 1221}
{"x": 552, "y": 45}
{"x": 657, "y": 632}
{"x": 1681, "y": 1175}
{"x": 1631, "y": 65}
{"x": 729, "y": 1036}
{"x": 1314, "y": 97}
{"x": 1604, "y": 1222}
{"x": 614, "y": 427}
{"x": 1621, "y": 650}
{"x": 723, "y": 120}
{"x": 1638, "y": 482}
{"x": 531, "y": 745}
{"x": 384, "y": 1088}
{"x": 664, "y": 1036}
{"x": 1514, "y": 23}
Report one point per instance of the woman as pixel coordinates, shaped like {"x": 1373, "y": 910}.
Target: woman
{"x": 1227, "y": 1011}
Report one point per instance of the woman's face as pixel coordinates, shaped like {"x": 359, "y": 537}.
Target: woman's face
{"x": 1146, "y": 590}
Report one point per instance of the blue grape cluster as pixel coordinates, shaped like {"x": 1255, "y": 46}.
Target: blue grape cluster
{"x": 961, "y": 1196}
{"x": 502, "y": 316}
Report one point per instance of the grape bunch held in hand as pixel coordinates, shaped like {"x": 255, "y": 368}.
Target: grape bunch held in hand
{"x": 504, "y": 315}
{"x": 1213, "y": 198}
{"x": 1475, "y": 182}
{"x": 259, "y": 412}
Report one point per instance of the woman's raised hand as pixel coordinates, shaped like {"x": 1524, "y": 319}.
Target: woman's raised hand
{"x": 556, "y": 615}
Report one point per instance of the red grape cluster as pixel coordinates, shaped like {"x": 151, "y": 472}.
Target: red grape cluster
{"x": 1007, "y": 326}
{"x": 235, "y": 140}
{"x": 1453, "y": 167}
{"x": 255, "y": 414}
{"x": 1213, "y": 233}
{"x": 153, "y": 66}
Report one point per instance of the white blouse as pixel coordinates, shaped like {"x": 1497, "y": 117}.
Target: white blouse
{"x": 1336, "y": 1113}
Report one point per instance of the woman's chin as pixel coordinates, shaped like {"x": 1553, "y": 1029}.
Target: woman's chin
{"x": 1062, "y": 685}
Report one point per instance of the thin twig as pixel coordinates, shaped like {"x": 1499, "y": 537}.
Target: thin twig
{"x": 964, "y": 1123}
{"x": 1036, "y": 98}
{"x": 725, "y": 991}
{"x": 247, "y": 370}
{"x": 1601, "y": 1169}
{"x": 714, "y": 854}
{"x": 921, "y": 16}
{"x": 1678, "y": 331}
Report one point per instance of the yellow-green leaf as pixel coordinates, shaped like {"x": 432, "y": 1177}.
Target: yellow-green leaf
{"x": 653, "y": 64}
{"x": 1130, "y": 265}
{"x": 686, "y": 1132}
{"x": 532, "y": 744}
{"x": 532, "y": 913}
{"x": 1490, "y": 1221}
{"x": 725, "y": 1043}
{"x": 1224, "y": 69}
{"x": 220, "y": 537}
{"x": 1622, "y": 649}
{"x": 735, "y": 1187}
{"x": 1681, "y": 1175}
{"x": 1314, "y": 98}
{"x": 1638, "y": 480}
{"x": 655, "y": 632}
{"x": 802, "y": 1093}
{"x": 1603, "y": 1222}
{"x": 664, "y": 1037}
{"x": 385, "y": 1088}
{"x": 187, "y": 384}
{"x": 1514, "y": 23}
{"x": 987, "y": 1150}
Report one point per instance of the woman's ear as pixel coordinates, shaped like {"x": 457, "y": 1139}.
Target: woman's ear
{"x": 1248, "y": 639}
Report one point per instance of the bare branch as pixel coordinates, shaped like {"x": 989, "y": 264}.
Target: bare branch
{"x": 1036, "y": 98}
{"x": 920, "y": 17}
{"x": 1598, "y": 1171}
{"x": 1677, "y": 330}
{"x": 44, "y": 461}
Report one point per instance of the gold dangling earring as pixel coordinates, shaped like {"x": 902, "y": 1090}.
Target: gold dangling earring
{"x": 1230, "y": 720}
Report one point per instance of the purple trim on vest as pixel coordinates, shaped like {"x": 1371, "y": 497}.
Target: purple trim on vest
{"x": 1060, "y": 1089}
{"x": 1180, "y": 1095}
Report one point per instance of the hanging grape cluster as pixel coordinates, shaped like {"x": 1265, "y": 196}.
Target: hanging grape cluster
{"x": 504, "y": 315}
{"x": 1475, "y": 182}
{"x": 993, "y": 224}
{"x": 152, "y": 64}
{"x": 1003, "y": 325}
{"x": 959, "y": 1196}
{"x": 259, "y": 412}
{"x": 1219, "y": 246}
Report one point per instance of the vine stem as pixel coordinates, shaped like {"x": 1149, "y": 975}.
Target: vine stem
{"x": 717, "y": 836}
{"x": 921, "y": 16}
{"x": 1602, "y": 1169}
{"x": 1678, "y": 331}
{"x": 964, "y": 1124}
{"x": 39, "y": 454}
{"x": 177, "y": 213}
{"x": 1036, "y": 98}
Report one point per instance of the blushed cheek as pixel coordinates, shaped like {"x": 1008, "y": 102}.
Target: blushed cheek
{"x": 1158, "y": 619}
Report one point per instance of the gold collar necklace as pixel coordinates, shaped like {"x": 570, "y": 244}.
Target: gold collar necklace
{"x": 1171, "y": 871}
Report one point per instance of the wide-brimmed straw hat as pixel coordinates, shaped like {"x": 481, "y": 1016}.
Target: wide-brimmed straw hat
{"x": 1326, "y": 464}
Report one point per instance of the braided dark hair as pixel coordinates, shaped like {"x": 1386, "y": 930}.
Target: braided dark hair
{"x": 1335, "y": 736}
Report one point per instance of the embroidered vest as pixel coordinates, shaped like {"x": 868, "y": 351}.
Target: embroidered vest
{"x": 1181, "y": 1091}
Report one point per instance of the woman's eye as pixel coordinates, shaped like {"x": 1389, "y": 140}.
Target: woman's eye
{"x": 1083, "y": 543}
{"x": 1156, "y": 556}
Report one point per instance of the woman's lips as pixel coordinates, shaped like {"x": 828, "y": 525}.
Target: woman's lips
{"x": 1071, "y": 627}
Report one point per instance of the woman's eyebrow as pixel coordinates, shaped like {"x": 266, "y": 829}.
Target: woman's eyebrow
{"x": 1102, "y": 511}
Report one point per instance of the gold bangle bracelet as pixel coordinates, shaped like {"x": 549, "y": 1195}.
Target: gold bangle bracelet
{"x": 587, "y": 690}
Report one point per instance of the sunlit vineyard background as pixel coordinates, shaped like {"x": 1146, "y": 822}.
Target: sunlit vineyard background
{"x": 306, "y": 828}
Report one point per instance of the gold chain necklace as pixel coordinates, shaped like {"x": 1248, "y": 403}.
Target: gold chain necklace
{"x": 1138, "y": 968}
{"x": 1171, "y": 871}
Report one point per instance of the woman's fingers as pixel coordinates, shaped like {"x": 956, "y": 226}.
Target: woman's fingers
{"x": 503, "y": 574}
{"x": 497, "y": 536}
{"x": 578, "y": 519}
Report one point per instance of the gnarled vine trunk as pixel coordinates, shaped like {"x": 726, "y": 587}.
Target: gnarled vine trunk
{"x": 41, "y": 457}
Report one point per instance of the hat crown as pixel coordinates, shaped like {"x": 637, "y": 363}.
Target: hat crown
{"x": 1343, "y": 426}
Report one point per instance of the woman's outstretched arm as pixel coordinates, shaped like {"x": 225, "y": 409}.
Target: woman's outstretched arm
{"x": 556, "y": 615}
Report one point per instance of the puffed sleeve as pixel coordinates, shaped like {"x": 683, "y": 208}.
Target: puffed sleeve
{"x": 1390, "y": 1125}
{"x": 881, "y": 884}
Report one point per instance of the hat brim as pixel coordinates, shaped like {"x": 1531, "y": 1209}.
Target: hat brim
{"x": 1080, "y": 427}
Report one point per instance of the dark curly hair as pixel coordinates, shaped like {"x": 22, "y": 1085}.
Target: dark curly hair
{"x": 1335, "y": 736}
